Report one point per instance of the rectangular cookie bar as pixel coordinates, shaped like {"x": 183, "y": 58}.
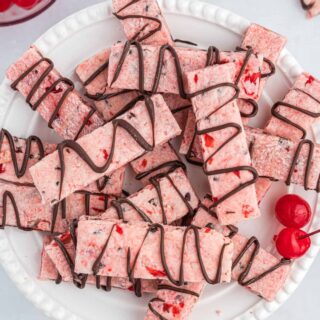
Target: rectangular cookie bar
{"x": 253, "y": 267}
{"x": 114, "y": 248}
{"x": 281, "y": 159}
{"x": 58, "y": 264}
{"x": 143, "y": 21}
{"x": 76, "y": 164}
{"x": 52, "y": 95}
{"x": 163, "y": 68}
{"x": 225, "y": 152}
{"x": 294, "y": 116}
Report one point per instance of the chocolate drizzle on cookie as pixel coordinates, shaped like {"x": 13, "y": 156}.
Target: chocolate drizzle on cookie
{"x": 177, "y": 282}
{"x": 295, "y": 159}
{"x": 237, "y": 130}
{"x": 52, "y": 89}
{"x": 310, "y": 145}
{"x": 7, "y": 195}
{"x": 254, "y": 242}
{"x": 170, "y": 166}
{"x": 155, "y": 181}
{"x": 307, "y": 6}
{"x": 159, "y": 69}
{"x": 117, "y": 123}
{"x": 276, "y": 112}
{"x": 139, "y": 36}
{"x": 20, "y": 172}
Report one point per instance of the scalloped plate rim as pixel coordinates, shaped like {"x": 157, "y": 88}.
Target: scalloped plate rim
{"x": 204, "y": 11}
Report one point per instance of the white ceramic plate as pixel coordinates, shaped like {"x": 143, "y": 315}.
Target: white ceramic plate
{"x": 70, "y": 42}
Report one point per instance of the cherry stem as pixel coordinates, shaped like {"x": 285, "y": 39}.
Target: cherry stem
{"x": 309, "y": 234}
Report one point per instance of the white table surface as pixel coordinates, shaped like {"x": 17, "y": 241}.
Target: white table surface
{"x": 283, "y": 16}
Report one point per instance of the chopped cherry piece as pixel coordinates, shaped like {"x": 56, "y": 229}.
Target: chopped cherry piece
{"x": 155, "y": 272}
{"x": 65, "y": 238}
{"x": 208, "y": 140}
{"x": 144, "y": 163}
{"x": 119, "y": 229}
{"x": 105, "y": 154}
{"x": 195, "y": 78}
{"x": 215, "y": 199}
{"x": 2, "y": 168}
{"x": 253, "y": 77}
{"x": 26, "y": 4}
{"x": 166, "y": 307}
{"x": 175, "y": 311}
{"x": 237, "y": 173}
{"x": 131, "y": 288}
{"x": 5, "y": 5}
{"x": 310, "y": 80}
{"x": 292, "y": 243}
{"x": 247, "y": 210}
{"x": 293, "y": 211}
{"x": 207, "y": 230}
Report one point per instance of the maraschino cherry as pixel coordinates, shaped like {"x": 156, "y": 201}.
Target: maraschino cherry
{"x": 26, "y": 4}
{"x": 293, "y": 211}
{"x": 5, "y": 5}
{"x": 292, "y": 243}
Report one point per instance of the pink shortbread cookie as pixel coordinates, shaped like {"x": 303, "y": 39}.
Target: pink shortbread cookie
{"x": 34, "y": 76}
{"x": 281, "y": 159}
{"x": 312, "y": 7}
{"x": 263, "y": 41}
{"x": 293, "y": 117}
{"x": 300, "y": 109}
{"x": 262, "y": 278}
{"x": 107, "y": 150}
{"x": 103, "y": 248}
{"x": 162, "y": 159}
{"x": 142, "y": 20}
{"x": 193, "y": 154}
{"x": 266, "y": 42}
{"x": 147, "y": 201}
{"x": 48, "y": 270}
{"x": 93, "y": 72}
{"x": 61, "y": 263}
{"x": 177, "y": 197}
{"x": 223, "y": 142}
{"x": 22, "y": 207}
{"x": 17, "y": 155}
{"x": 125, "y": 74}
{"x": 174, "y": 303}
